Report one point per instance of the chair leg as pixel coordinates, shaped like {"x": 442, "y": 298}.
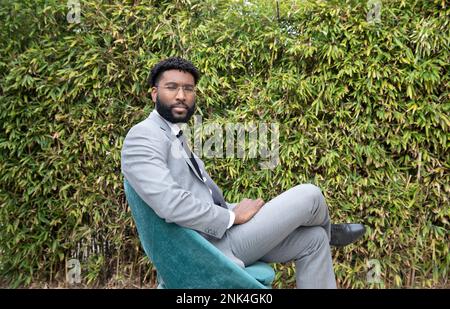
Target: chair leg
{"x": 159, "y": 281}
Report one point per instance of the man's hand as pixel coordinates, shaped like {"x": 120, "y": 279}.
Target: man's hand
{"x": 246, "y": 209}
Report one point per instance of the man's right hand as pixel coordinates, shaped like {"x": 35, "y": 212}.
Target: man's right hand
{"x": 246, "y": 209}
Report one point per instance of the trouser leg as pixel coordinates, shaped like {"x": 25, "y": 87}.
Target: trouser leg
{"x": 309, "y": 248}
{"x": 300, "y": 206}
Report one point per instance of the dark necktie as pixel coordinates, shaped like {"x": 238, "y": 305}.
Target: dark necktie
{"x": 189, "y": 153}
{"x": 215, "y": 191}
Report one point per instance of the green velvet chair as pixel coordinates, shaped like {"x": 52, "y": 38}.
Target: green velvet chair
{"x": 184, "y": 259}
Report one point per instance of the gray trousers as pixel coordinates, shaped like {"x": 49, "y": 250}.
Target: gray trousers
{"x": 294, "y": 226}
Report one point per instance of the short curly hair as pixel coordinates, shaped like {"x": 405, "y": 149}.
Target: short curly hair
{"x": 172, "y": 63}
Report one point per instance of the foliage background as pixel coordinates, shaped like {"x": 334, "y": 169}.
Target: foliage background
{"x": 363, "y": 112}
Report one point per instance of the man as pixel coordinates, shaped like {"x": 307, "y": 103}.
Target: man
{"x": 293, "y": 226}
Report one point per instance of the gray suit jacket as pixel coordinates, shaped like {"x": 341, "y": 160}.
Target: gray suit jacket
{"x": 167, "y": 181}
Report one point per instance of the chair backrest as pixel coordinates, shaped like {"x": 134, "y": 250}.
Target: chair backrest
{"x": 182, "y": 257}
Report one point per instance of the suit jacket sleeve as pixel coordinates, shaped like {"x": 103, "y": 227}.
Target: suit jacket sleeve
{"x": 144, "y": 165}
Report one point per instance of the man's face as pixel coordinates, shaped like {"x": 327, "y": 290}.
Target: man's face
{"x": 174, "y": 96}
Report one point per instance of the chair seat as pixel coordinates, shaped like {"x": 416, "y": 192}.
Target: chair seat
{"x": 261, "y": 272}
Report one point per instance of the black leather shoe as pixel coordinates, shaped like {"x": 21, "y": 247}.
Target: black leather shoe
{"x": 346, "y": 233}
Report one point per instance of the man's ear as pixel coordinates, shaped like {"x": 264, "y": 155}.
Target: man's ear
{"x": 154, "y": 94}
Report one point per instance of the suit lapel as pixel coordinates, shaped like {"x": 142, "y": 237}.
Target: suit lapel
{"x": 168, "y": 132}
{"x": 162, "y": 124}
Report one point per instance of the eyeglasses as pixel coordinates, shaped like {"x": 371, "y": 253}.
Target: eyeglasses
{"x": 174, "y": 88}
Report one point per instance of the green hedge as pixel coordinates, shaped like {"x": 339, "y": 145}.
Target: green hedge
{"x": 362, "y": 106}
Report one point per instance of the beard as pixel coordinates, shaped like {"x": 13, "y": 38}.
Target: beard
{"x": 165, "y": 110}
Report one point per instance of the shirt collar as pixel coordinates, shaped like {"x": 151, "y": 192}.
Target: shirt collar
{"x": 173, "y": 126}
